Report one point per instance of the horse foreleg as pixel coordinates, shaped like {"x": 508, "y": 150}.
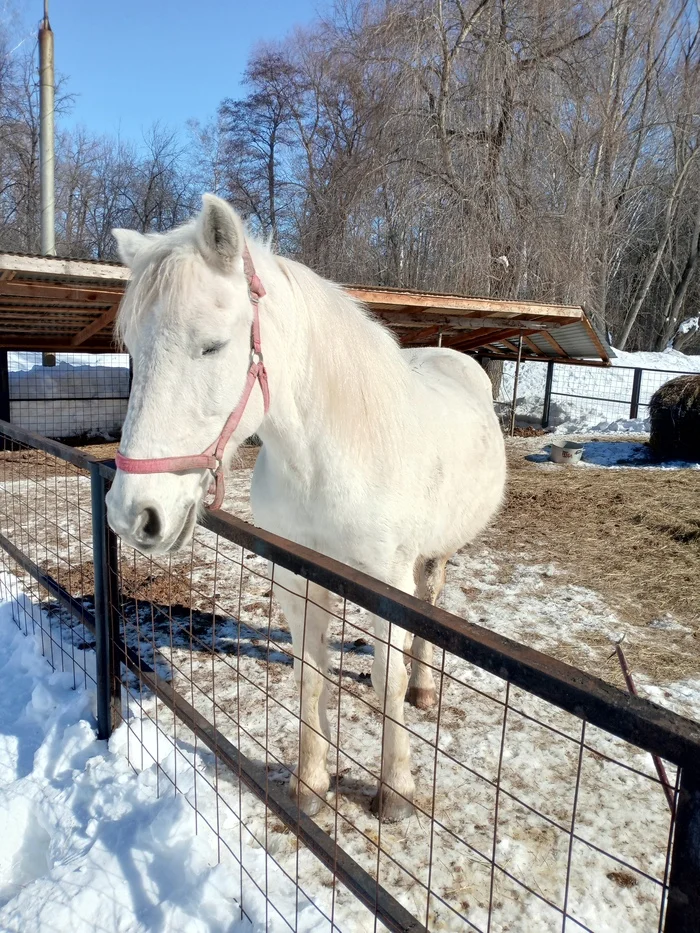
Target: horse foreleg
{"x": 308, "y": 622}
{"x": 394, "y": 798}
{"x": 430, "y": 581}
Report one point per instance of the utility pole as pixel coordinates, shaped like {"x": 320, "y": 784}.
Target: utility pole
{"x": 46, "y": 111}
{"x": 47, "y": 83}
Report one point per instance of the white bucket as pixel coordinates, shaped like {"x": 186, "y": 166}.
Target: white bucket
{"x": 565, "y": 452}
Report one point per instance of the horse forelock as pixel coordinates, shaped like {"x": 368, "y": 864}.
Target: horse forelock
{"x": 170, "y": 265}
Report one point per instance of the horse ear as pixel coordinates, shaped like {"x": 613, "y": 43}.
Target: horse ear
{"x": 129, "y": 242}
{"x": 220, "y": 233}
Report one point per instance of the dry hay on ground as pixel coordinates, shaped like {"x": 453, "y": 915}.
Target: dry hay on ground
{"x": 675, "y": 420}
{"x": 631, "y": 535}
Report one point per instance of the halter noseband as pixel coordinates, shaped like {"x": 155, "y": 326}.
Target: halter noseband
{"x": 212, "y": 457}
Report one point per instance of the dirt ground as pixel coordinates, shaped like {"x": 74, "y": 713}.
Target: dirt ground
{"x": 630, "y": 534}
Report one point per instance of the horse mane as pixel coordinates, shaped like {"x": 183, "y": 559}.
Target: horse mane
{"x": 356, "y": 373}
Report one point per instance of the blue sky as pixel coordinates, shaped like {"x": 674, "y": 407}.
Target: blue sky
{"x": 131, "y": 62}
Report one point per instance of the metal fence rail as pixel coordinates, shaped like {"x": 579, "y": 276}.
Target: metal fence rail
{"x": 515, "y": 765}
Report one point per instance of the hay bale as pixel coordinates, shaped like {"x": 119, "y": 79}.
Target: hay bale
{"x": 675, "y": 420}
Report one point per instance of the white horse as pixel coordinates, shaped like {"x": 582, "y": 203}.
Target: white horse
{"x": 389, "y": 460}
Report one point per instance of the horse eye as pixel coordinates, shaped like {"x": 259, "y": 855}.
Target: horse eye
{"x": 212, "y": 349}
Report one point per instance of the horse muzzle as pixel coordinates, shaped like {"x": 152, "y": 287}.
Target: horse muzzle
{"x": 146, "y": 525}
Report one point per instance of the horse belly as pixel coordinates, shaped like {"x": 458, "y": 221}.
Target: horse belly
{"x": 466, "y": 468}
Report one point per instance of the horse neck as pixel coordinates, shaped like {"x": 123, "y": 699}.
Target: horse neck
{"x": 337, "y": 376}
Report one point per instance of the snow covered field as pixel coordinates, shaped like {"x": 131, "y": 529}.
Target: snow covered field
{"x": 119, "y": 857}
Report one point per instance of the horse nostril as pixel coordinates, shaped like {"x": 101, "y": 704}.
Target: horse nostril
{"x": 149, "y": 523}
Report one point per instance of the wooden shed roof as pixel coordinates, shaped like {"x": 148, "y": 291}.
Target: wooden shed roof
{"x": 48, "y": 303}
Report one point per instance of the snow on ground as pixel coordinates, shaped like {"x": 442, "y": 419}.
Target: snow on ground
{"x": 93, "y": 840}
{"x": 86, "y": 844}
{"x": 614, "y": 454}
{"x": 147, "y": 846}
{"x": 604, "y": 405}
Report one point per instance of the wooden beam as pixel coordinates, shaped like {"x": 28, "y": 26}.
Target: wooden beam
{"x": 24, "y": 327}
{"x": 6, "y": 275}
{"x": 104, "y": 320}
{"x": 380, "y": 299}
{"x": 46, "y": 308}
{"x": 57, "y": 344}
{"x": 533, "y": 347}
{"x": 87, "y": 294}
{"x": 422, "y": 334}
{"x": 51, "y": 265}
{"x": 511, "y": 346}
{"x": 483, "y": 340}
{"x": 570, "y": 361}
{"x": 553, "y": 343}
{"x": 452, "y": 322}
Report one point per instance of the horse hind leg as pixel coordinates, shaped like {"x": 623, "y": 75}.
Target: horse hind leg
{"x": 430, "y": 579}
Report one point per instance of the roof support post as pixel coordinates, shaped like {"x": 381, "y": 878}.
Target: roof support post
{"x": 547, "y": 394}
{"x": 515, "y": 385}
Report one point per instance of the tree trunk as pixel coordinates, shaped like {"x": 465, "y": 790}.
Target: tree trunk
{"x": 494, "y": 370}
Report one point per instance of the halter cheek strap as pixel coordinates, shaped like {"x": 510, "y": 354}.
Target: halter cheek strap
{"x": 212, "y": 457}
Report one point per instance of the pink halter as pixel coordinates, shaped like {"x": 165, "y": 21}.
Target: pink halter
{"x": 212, "y": 457}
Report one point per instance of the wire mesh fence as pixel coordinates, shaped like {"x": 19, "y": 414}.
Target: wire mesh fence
{"x": 45, "y": 515}
{"x": 533, "y": 810}
{"x": 580, "y": 398}
{"x": 78, "y": 395}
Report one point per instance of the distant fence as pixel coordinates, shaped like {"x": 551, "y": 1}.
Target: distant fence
{"x": 537, "y": 809}
{"x": 553, "y": 394}
{"x": 86, "y": 395}
{"x": 79, "y": 395}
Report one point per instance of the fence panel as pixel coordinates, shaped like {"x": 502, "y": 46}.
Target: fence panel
{"x": 82, "y": 395}
{"x": 653, "y": 379}
{"x": 46, "y": 522}
{"x": 536, "y": 807}
{"x": 579, "y": 395}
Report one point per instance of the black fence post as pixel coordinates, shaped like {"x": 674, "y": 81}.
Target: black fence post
{"x": 547, "y": 394}
{"x": 4, "y": 387}
{"x": 683, "y": 908}
{"x": 113, "y": 614}
{"x": 102, "y": 590}
{"x": 636, "y": 388}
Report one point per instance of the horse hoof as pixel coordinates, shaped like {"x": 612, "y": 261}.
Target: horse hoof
{"x": 308, "y": 802}
{"x": 390, "y": 807}
{"x": 421, "y": 697}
